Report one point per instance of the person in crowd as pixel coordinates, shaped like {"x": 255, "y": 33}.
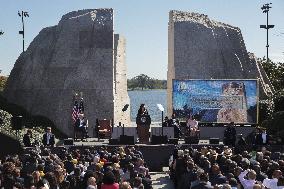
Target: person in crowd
{"x": 260, "y": 176}
{"x": 125, "y": 185}
{"x": 143, "y": 122}
{"x": 203, "y": 182}
{"x": 109, "y": 181}
{"x": 216, "y": 177}
{"x": 250, "y": 181}
{"x": 272, "y": 183}
{"x": 82, "y": 126}
{"x": 230, "y": 135}
{"x": 27, "y": 138}
{"x": 48, "y": 138}
{"x": 92, "y": 183}
{"x": 179, "y": 167}
{"x": 241, "y": 144}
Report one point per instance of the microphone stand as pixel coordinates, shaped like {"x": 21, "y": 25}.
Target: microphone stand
{"x": 162, "y": 123}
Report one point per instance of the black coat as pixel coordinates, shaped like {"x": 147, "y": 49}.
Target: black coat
{"x": 51, "y": 140}
{"x": 27, "y": 140}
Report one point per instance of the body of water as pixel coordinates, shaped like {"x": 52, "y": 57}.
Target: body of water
{"x": 150, "y": 98}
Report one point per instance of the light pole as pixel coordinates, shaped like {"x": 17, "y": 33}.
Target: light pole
{"x": 22, "y": 32}
{"x": 265, "y": 9}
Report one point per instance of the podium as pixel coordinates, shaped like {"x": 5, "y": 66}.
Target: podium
{"x": 143, "y": 125}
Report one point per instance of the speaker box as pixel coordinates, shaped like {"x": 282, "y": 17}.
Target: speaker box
{"x": 214, "y": 141}
{"x": 17, "y": 122}
{"x": 191, "y": 140}
{"x": 127, "y": 140}
{"x": 113, "y": 141}
{"x": 159, "y": 139}
{"x": 173, "y": 141}
{"x": 68, "y": 141}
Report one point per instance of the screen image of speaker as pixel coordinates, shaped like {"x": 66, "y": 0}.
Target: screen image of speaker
{"x": 191, "y": 140}
{"x": 127, "y": 140}
{"x": 17, "y": 122}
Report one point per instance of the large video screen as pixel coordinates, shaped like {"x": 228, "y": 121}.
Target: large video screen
{"x": 216, "y": 101}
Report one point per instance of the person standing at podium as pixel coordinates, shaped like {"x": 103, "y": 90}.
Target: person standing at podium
{"x": 143, "y": 122}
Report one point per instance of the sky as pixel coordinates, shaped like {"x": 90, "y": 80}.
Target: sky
{"x": 144, "y": 23}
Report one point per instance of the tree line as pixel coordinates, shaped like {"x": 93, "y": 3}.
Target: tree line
{"x": 143, "y": 81}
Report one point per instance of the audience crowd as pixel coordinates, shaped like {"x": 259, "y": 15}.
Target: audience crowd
{"x": 93, "y": 168}
{"x": 215, "y": 167}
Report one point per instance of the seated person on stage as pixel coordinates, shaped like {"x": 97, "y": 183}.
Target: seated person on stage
{"x": 27, "y": 138}
{"x": 175, "y": 123}
{"x": 81, "y": 125}
{"x": 48, "y": 138}
{"x": 166, "y": 122}
{"x": 192, "y": 125}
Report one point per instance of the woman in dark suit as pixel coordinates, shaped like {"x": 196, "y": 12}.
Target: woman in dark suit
{"x": 143, "y": 122}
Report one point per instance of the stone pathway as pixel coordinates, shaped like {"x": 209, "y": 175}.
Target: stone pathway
{"x": 161, "y": 180}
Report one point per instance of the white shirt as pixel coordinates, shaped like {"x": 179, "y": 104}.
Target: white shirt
{"x": 270, "y": 183}
{"x": 247, "y": 184}
{"x": 263, "y": 135}
{"x": 47, "y": 138}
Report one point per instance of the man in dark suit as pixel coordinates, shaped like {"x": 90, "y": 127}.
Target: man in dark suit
{"x": 48, "y": 138}
{"x": 27, "y": 138}
{"x": 230, "y": 135}
{"x": 262, "y": 137}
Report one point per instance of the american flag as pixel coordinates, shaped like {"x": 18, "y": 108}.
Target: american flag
{"x": 75, "y": 111}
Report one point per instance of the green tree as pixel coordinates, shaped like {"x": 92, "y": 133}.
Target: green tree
{"x": 143, "y": 81}
{"x": 275, "y": 73}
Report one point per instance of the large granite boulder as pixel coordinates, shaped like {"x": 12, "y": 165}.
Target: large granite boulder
{"x": 201, "y": 48}
{"x": 77, "y": 55}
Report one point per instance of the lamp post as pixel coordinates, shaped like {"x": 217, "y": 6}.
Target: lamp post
{"x": 22, "y": 32}
{"x": 265, "y": 9}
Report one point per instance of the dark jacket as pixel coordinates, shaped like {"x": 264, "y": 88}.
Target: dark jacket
{"x": 259, "y": 140}
{"x": 218, "y": 179}
{"x": 202, "y": 185}
{"x": 51, "y": 140}
{"x": 27, "y": 140}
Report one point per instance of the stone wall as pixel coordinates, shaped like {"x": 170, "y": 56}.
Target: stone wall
{"x": 200, "y": 48}
{"x": 121, "y": 97}
{"x": 74, "y": 56}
